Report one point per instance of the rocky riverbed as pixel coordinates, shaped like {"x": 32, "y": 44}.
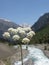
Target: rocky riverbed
{"x": 9, "y": 60}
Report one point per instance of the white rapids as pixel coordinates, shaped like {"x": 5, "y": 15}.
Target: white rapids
{"x": 36, "y": 55}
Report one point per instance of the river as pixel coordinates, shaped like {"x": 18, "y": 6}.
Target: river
{"x": 36, "y": 55}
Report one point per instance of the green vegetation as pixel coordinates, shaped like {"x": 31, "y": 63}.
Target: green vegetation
{"x": 42, "y": 36}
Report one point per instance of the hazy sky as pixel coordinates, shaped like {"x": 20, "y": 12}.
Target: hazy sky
{"x": 23, "y": 11}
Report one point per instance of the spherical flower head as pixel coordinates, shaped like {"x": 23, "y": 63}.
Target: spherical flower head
{"x": 25, "y": 40}
{"x": 16, "y": 37}
{"x": 32, "y": 32}
{"x": 29, "y": 36}
{"x": 21, "y": 32}
{"x": 27, "y": 29}
{"x": 6, "y": 35}
{"x": 19, "y": 28}
{"x": 12, "y": 31}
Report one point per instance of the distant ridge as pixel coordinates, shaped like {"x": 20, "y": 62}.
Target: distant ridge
{"x": 5, "y": 19}
{"x": 41, "y": 22}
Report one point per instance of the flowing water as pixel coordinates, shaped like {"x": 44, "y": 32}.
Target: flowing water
{"x": 36, "y": 55}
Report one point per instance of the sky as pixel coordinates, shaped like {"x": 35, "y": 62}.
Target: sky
{"x": 23, "y": 11}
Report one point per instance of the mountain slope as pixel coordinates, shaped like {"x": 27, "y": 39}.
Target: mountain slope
{"x": 42, "y": 36}
{"x": 42, "y": 21}
{"x": 5, "y": 24}
{"x": 41, "y": 27}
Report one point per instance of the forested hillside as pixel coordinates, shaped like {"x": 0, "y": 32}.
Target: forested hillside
{"x": 42, "y": 36}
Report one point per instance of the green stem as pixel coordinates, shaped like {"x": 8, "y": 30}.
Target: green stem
{"x": 21, "y": 54}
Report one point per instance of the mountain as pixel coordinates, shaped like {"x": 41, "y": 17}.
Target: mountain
{"x": 41, "y": 27}
{"x": 5, "y": 24}
{"x": 42, "y": 36}
{"x": 41, "y": 22}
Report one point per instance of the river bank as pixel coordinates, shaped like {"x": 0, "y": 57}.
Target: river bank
{"x": 16, "y": 56}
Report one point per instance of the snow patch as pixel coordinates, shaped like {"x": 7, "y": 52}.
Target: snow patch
{"x": 5, "y": 19}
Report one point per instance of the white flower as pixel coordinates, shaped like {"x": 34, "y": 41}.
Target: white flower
{"x": 21, "y": 32}
{"x": 6, "y": 35}
{"x": 27, "y": 29}
{"x": 16, "y": 37}
{"x": 19, "y": 28}
{"x": 32, "y": 32}
{"x": 12, "y": 31}
{"x": 25, "y": 40}
{"x": 29, "y": 36}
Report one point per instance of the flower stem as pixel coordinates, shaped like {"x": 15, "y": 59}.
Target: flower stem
{"x": 21, "y": 54}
